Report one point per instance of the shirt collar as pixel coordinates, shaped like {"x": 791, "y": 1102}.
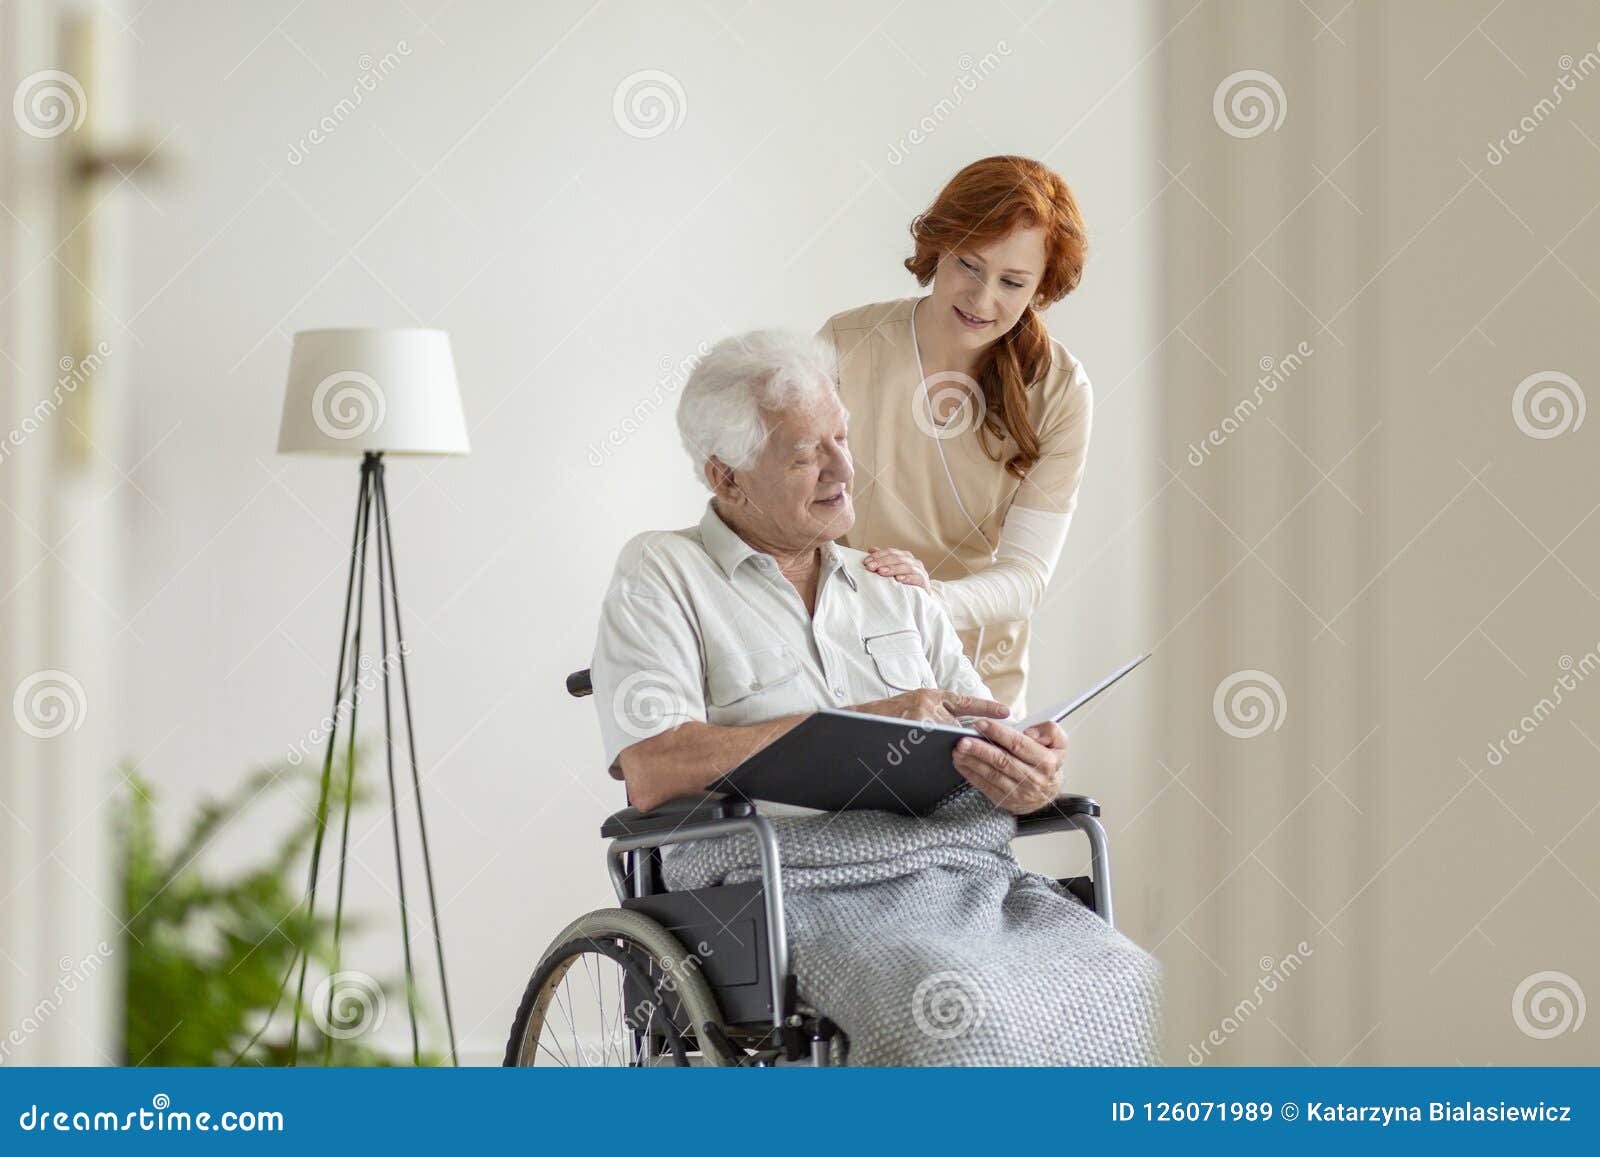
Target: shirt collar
{"x": 832, "y": 561}
{"x": 728, "y": 550}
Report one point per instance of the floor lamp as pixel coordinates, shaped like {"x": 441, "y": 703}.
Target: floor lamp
{"x": 371, "y": 393}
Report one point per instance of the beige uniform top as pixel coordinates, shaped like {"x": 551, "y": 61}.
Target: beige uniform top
{"x": 902, "y": 494}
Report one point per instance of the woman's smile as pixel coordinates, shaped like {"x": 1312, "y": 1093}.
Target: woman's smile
{"x": 970, "y": 320}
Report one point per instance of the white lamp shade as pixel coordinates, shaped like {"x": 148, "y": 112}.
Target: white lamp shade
{"x": 355, "y": 390}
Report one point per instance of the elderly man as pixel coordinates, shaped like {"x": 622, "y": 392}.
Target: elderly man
{"x": 715, "y": 640}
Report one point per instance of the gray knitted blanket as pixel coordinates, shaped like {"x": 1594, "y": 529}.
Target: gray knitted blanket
{"x": 928, "y": 944}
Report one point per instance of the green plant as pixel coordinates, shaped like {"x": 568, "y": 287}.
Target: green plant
{"x": 207, "y": 956}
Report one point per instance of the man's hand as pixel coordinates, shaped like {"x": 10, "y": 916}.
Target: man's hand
{"x": 1019, "y": 770}
{"x": 933, "y": 706}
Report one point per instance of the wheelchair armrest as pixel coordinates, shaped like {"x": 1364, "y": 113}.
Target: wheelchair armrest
{"x": 1057, "y": 815}
{"x": 1079, "y": 812}
{"x": 675, "y": 813}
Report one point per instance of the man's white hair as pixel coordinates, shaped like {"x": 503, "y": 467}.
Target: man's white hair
{"x": 720, "y": 411}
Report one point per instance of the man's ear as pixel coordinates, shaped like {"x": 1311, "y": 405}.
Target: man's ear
{"x": 719, "y": 476}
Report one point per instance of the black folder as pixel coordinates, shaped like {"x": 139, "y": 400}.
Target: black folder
{"x": 847, "y": 760}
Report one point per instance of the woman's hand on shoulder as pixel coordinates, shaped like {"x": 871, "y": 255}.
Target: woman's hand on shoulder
{"x": 900, "y": 565}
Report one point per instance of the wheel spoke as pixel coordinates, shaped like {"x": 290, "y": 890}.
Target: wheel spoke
{"x": 607, "y": 1035}
{"x": 565, "y": 1008}
{"x": 599, "y": 995}
{"x": 616, "y": 1032}
{"x": 559, "y": 1060}
{"x": 603, "y": 1029}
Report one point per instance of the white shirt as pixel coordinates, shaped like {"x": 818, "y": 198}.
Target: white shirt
{"x": 698, "y": 625}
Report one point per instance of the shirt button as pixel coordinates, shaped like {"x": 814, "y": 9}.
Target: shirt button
{"x": 755, "y": 684}
{"x": 838, "y": 692}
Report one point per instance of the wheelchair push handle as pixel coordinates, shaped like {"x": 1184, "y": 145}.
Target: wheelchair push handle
{"x": 579, "y": 685}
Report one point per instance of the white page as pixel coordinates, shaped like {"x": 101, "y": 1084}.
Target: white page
{"x": 1061, "y": 710}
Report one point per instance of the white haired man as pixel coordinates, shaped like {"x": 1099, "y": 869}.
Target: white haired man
{"x": 717, "y": 639}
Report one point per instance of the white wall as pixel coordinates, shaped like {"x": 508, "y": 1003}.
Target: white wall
{"x": 485, "y": 186}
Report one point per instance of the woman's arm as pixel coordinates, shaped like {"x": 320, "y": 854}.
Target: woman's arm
{"x": 1011, "y": 588}
{"x": 1006, "y": 591}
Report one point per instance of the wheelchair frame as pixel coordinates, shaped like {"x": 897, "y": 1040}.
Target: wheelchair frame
{"x": 637, "y": 838}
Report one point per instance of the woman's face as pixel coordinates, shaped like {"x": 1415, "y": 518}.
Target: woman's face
{"x": 980, "y": 293}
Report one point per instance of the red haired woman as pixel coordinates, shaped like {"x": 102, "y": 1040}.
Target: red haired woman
{"x": 969, "y": 424}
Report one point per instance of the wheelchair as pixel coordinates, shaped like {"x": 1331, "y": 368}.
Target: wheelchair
{"x": 702, "y": 977}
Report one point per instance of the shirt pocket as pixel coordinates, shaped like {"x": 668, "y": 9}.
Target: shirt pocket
{"x": 900, "y": 661}
{"x": 756, "y": 676}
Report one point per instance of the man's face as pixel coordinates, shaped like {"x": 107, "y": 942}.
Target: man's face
{"x": 797, "y": 494}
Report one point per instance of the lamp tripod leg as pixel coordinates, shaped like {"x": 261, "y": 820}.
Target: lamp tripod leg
{"x": 357, "y": 567}
{"x": 385, "y": 593}
{"x": 350, "y": 764}
{"x": 411, "y": 752}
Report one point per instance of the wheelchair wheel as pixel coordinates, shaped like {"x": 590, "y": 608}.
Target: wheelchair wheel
{"x": 615, "y": 989}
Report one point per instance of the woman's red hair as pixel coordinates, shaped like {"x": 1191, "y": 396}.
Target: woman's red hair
{"x": 983, "y": 203}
